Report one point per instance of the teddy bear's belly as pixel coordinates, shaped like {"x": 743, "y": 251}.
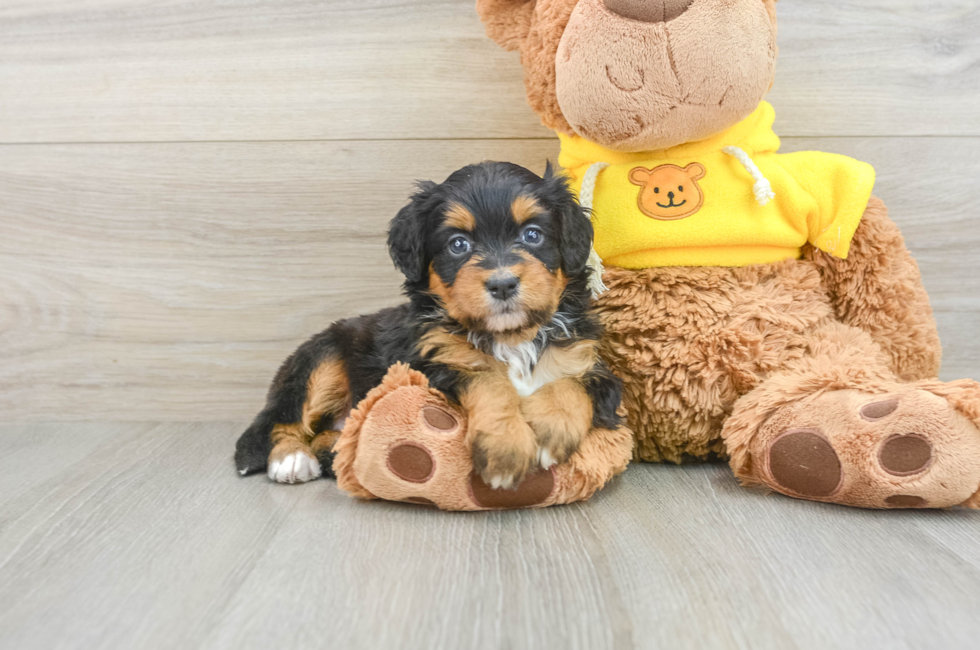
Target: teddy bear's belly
{"x": 688, "y": 342}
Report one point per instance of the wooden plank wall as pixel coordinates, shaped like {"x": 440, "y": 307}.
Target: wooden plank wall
{"x": 188, "y": 190}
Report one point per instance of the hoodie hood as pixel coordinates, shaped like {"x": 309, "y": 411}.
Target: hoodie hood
{"x": 754, "y": 135}
{"x": 729, "y": 200}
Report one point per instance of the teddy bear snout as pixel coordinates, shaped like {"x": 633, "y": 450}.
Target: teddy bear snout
{"x": 649, "y": 11}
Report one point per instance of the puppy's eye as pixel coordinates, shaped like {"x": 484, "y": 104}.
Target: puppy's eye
{"x": 459, "y": 245}
{"x": 532, "y": 236}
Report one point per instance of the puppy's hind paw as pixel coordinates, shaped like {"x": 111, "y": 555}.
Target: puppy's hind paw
{"x": 296, "y": 467}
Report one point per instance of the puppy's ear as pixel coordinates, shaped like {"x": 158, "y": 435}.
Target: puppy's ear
{"x": 507, "y": 22}
{"x": 576, "y": 227}
{"x": 406, "y": 234}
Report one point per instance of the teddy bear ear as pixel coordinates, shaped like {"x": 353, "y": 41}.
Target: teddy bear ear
{"x": 696, "y": 171}
{"x": 507, "y": 22}
{"x": 639, "y": 176}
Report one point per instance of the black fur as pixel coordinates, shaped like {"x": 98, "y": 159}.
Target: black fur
{"x": 370, "y": 344}
{"x": 605, "y": 390}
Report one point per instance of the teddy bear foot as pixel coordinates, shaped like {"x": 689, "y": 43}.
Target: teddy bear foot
{"x": 411, "y": 448}
{"x": 910, "y": 446}
{"x": 405, "y": 442}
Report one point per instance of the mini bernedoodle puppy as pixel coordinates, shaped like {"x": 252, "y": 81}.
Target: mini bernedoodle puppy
{"x": 496, "y": 268}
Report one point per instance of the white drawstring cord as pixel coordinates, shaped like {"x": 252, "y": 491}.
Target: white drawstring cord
{"x": 585, "y": 199}
{"x": 762, "y": 188}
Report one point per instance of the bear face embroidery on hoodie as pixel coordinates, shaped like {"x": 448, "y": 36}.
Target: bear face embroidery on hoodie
{"x": 669, "y": 192}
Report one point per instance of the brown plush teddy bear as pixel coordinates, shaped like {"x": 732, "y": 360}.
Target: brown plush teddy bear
{"x": 759, "y": 307}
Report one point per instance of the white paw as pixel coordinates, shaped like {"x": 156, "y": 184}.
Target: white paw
{"x": 502, "y": 482}
{"x": 545, "y": 459}
{"x": 297, "y": 467}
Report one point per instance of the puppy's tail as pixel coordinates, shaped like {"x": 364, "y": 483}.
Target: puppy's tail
{"x": 253, "y": 447}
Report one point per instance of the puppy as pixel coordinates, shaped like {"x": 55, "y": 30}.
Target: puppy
{"x": 495, "y": 264}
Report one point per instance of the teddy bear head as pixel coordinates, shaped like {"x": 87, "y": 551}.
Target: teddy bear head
{"x": 639, "y": 75}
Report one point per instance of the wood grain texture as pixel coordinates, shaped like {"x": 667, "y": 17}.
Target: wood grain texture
{"x": 164, "y": 274}
{"x": 110, "y": 71}
{"x": 152, "y": 541}
{"x": 169, "y": 281}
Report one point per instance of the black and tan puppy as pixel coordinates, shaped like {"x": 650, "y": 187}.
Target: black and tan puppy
{"x": 495, "y": 261}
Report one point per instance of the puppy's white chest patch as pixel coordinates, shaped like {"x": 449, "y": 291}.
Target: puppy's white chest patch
{"x": 520, "y": 360}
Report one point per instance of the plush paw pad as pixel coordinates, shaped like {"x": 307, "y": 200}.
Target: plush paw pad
{"x": 911, "y": 449}
{"x": 296, "y": 467}
{"x": 905, "y": 501}
{"x": 439, "y": 419}
{"x": 804, "y": 462}
{"x": 533, "y": 490}
{"x": 905, "y": 455}
{"x": 411, "y": 462}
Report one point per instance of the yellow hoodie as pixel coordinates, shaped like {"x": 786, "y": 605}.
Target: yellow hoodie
{"x": 706, "y": 203}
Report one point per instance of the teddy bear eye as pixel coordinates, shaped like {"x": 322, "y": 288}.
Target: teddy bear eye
{"x": 656, "y": 190}
{"x": 680, "y": 188}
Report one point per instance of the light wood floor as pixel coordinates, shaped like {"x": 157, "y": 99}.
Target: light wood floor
{"x": 142, "y": 536}
{"x": 190, "y": 189}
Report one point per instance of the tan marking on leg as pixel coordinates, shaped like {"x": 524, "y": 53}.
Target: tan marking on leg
{"x": 327, "y": 393}
{"x": 288, "y": 438}
{"x": 561, "y": 415}
{"x": 459, "y": 217}
{"x": 502, "y": 443}
{"x": 324, "y": 442}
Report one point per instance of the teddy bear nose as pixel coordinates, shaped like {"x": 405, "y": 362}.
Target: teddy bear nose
{"x": 649, "y": 11}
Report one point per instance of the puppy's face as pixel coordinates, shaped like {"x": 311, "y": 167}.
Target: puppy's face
{"x": 496, "y": 246}
{"x": 497, "y": 266}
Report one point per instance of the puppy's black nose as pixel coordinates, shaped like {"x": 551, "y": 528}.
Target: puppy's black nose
{"x": 502, "y": 287}
{"x": 649, "y": 11}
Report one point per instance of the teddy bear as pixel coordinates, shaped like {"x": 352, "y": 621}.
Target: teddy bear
{"x": 760, "y": 308}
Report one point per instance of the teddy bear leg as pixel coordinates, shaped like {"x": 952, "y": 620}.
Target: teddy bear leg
{"x": 839, "y": 428}
{"x": 878, "y": 289}
{"x": 406, "y": 442}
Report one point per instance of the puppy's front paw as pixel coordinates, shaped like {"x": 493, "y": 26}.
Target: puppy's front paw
{"x": 295, "y": 467}
{"x": 545, "y": 459}
{"x": 503, "y": 458}
{"x": 561, "y": 416}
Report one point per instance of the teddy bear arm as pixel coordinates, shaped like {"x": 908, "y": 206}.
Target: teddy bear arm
{"x": 878, "y": 289}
